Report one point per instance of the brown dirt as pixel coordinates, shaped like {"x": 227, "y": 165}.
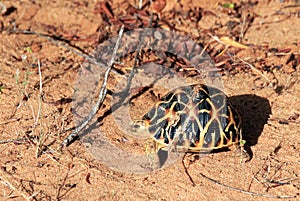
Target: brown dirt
{"x": 266, "y": 95}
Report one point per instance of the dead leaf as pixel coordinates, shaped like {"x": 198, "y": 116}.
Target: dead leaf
{"x": 294, "y": 117}
{"x": 87, "y": 178}
{"x": 159, "y": 5}
{"x": 230, "y": 42}
{"x": 107, "y": 9}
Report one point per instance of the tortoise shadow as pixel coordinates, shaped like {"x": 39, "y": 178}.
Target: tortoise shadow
{"x": 255, "y": 112}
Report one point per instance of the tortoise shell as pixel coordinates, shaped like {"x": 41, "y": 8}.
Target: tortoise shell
{"x": 194, "y": 118}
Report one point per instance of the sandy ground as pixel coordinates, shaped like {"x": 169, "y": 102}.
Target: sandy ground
{"x": 262, "y": 81}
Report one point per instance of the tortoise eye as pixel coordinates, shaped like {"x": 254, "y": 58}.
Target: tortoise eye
{"x": 136, "y": 126}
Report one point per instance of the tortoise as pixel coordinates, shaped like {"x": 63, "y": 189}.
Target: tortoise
{"x": 193, "y": 118}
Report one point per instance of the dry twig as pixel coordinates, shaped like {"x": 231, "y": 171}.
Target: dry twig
{"x": 60, "y": 42}
{"x": 244, "y": 191}
{"x": 5, "y": 182}
{"x": 18, "y": 140}
{"x": 101, "y": 95}
{"x": 274, "y": 85}
{"x": 39, "y": 115}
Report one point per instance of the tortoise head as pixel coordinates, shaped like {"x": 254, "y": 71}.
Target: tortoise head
{"x": 140, "y": 128}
